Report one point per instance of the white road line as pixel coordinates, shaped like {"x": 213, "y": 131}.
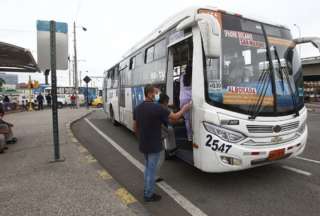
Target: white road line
{"x": 180, "y": 199}
{"x": 307, "y": 159}
{"x": 296, "y": 170}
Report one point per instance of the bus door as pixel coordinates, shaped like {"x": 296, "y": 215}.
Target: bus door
{"x": 112, "y": 95}
{"x": 122, "y": 98}
{"x": 179, "y": 58}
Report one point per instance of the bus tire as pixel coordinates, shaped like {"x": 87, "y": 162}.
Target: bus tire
{"x": 112, "y": 118}
{"x": 60, "y": 105}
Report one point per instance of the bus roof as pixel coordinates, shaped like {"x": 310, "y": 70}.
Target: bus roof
{"x": 175, "y": 19}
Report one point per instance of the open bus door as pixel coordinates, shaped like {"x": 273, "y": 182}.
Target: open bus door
{"x": 180, "y": 56}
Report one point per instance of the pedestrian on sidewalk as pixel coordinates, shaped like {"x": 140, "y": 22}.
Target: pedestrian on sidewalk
{"x": 6, "y": 130}
{"x": 73, "y": 101}
{"x": 40, "y": 99}
{"x": 48, "y": 99}
{"x": 148, "y": 118}
{"x": 6, "y": 103}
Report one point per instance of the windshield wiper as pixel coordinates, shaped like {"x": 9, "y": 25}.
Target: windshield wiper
{"x": 263, "y": 79}
{"x": 270, "y": 73}
{"x": 286, "y": 74}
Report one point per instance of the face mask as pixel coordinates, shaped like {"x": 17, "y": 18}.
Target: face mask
{"x": 157, "y": 98}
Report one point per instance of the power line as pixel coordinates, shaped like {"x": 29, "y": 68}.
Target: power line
{"x": 16, "y": 30}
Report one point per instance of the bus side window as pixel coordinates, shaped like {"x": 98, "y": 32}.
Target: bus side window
{"x": 111, "y": 78}
{"x": 132, "y": 63}
{"x": 116, "y": 78}
{"x": 160, "y": 49}
{"x": 149, "y": 55}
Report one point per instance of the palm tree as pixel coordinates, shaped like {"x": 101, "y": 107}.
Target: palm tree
{"x": 2, "y": 81}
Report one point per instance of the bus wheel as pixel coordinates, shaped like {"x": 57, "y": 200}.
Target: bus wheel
{"x": 112, "y": 118}
{"x": 60, "y": 105}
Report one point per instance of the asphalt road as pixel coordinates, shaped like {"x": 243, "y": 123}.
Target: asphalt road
{"x": 290, "y": 187}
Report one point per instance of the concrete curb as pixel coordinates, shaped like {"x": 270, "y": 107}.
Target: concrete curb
{"x": 121, "y": 192}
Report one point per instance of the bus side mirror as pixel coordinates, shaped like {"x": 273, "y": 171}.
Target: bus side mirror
{"x": 210, "y": 33}
{"x": 315, "y": 41}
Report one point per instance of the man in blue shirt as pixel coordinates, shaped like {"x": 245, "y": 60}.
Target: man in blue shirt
{"x": 148, "y": 118}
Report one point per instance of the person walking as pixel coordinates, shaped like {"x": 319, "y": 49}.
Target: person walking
{"x": 148, "y": 118}
{"x": 73, "y": 101}
{"x": 48, "y": 99}
{"x": 40, "y": 99}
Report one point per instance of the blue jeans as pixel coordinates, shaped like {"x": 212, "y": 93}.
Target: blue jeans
{"x": 151, "y": 164}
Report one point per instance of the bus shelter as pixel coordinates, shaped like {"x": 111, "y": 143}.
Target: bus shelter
{"x": 16, "y": 59}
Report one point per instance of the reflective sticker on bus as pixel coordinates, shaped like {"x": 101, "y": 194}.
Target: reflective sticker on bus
{"x": 137, "y": 96}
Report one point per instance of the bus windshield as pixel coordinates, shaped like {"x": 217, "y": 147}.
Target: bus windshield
{"x": 249, "y": 76}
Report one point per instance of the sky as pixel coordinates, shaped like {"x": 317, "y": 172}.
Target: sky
{"x": 114, "y": 26}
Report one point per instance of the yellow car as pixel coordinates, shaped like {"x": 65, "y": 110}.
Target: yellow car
{"x": 97, "y": 102}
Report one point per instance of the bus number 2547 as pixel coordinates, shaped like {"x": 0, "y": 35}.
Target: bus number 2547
{"x": 215, "y": 146}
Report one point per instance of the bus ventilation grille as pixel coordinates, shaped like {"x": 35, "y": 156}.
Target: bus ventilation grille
{"x": 269, "y": 128}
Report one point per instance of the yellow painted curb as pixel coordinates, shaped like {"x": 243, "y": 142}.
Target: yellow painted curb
{"x": 82, "y": 149}
{"x": 90, "y": 159}
{"x": 125, "y": 196}
{"x": 104, "y": 175}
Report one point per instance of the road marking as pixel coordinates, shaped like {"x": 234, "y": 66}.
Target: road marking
{"x": 296, "y": 170}
{"x": 307, "y": 159}
{"x": 125, "y": 196}
{"x": 104, "y": 175}
{"x": 180, "y": 199}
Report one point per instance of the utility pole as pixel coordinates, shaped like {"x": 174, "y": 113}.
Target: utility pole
{"x": 75, "y": 64}
{"x": 53, "y": 62}
{"x": 69, "y": 66}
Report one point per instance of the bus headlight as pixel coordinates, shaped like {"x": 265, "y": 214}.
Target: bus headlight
{"x": 302, "y": 128}
{"x": 223, "y": 133}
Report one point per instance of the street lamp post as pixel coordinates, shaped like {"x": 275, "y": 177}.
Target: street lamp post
{"x": 299, "y": 30}
{"x": 76, "y": 84}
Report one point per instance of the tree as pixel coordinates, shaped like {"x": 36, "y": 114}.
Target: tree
{"x": 2, "y": 81}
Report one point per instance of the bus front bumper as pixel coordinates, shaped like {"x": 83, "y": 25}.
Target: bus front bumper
{"x": 242, "y": 157}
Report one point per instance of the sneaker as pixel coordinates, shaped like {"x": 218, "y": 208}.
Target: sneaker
{"x": 5, "y": 148}
{"x": 12, "y": 141}
{"x": 1, "y": 151}
{"x": 153, "y": 198}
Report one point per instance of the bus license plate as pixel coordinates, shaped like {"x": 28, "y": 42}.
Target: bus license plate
{"x": 276, "y": 154}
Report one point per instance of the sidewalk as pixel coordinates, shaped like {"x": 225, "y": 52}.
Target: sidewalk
{"x": 30, "y": 185}
{"x": 313, "y": 107}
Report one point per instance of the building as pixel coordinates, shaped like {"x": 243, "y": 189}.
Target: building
{"x": 311, "y": 77}
{"x": 10, "y": 79}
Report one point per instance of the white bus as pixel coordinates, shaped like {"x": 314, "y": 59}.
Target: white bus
{"x": 247, "y": 88}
